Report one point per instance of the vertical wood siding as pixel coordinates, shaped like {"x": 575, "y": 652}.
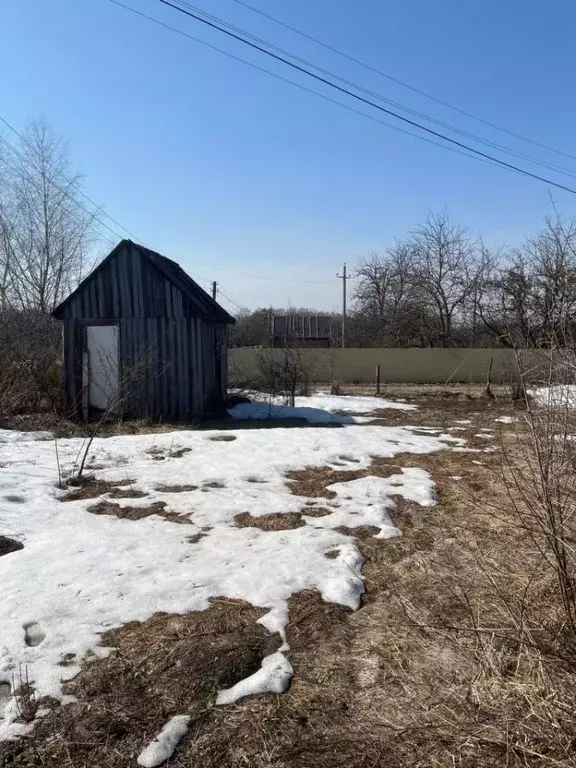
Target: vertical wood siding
{"x": 174, "y": 362}
{"x": 169, "y": 366}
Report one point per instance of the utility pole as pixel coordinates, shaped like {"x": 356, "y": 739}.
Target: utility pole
{"x": 344, "y": 277}
{"x": 214, "y": 289}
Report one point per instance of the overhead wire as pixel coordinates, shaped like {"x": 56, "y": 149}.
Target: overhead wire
{"x": 63, "y": 191}
{"x": 486, "y": 142}
{"x": 230, "y": 299}
{"x": 341, "y": 89}
{"x": 304, "y": 88}
{"x": 402, "y": 83}
{"x": 201, "y": 278}
{"x": 74, "y": 184}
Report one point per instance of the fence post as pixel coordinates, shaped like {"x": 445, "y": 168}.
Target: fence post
{"x": 378, "y": 379}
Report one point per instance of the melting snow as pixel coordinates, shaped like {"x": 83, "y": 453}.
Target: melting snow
{"x": 163, "y": 746}
{"x": 273, "y": 677}
{"x": 506, "y": 419}
{"x": 369, "y": 499}
{"x": 81, "y": 574}
{"x": 320, "y": 408}
{"x": 562, "y": 395}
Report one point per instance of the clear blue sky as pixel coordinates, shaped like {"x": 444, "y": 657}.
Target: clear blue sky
{"x": 236, "y": 174}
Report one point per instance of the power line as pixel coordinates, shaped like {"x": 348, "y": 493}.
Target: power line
{"x": 74, "y": 184}
{"x": 230, "y": 299}
{"x": 63, "y": 191}
{"x": 362, "y": 99}
{"x": 402, "y": 83}
{"x": 284, "y": 279}
{"x": 385, "y": 100}
{"x": 300, "y": 86}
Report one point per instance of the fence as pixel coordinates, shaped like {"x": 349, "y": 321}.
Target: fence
{"x": 399, "y": 366}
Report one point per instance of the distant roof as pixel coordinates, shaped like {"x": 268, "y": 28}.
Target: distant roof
{"x": 174, "y": 273}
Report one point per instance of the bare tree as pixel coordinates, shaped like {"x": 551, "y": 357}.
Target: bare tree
{"x": 528, "y": 296}
{"x": 385, "y": 312}
{"x": 444, "y": 273}
{"x": 284, "y": 372}
{"x": 45, "y": 234}
{"x": 423, "y": 290}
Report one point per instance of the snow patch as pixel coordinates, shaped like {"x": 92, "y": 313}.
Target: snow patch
{"x": 92, "y": 573}
{"x": 559, "y": 396}
{"x": 506, "y": 419}
{"x": 273, "y": 677}
{"x": 163, "y": 746}
{"x": 366, "y": 501}
{"x": 317, "y": 409}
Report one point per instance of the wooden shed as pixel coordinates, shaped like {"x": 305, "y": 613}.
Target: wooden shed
{"x": 142, "y": 339}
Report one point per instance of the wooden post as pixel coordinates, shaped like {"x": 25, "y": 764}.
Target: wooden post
{"x": 488, "y": 390}
{"x": 378, "y": 379}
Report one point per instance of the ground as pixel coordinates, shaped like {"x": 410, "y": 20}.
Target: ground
{"x": 182, "y": 543}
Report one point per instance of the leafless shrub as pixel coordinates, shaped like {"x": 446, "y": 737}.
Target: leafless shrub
{"x": 26, "y": 700}
{"x": 284, "y": 372}
{"x": 541, "y": 479}
{"x": 29, "y": 363}
{"x": 129, "y": 387}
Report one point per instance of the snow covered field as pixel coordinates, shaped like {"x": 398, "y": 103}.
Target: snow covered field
{"x": 80, "y": 574}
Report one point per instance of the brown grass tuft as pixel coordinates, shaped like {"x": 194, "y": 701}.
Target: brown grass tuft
{"x": 314, "y": 481}
{"x": 90, "y": 487}
{"x": 176, "y": 488}
{"x": 137, "y": 513}
{"x": 8, "y": 545}
{"x": 276, "y": 521}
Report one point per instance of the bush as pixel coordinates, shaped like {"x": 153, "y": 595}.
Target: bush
{"x": 30, "y": 368}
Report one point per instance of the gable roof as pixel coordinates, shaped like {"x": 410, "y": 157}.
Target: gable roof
{"x": 172, "y": 272}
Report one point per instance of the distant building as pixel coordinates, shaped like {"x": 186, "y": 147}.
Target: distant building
{"x": 302, "y": 330}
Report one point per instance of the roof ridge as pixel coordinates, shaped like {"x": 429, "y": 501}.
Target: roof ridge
{"x": 171, "y": 270}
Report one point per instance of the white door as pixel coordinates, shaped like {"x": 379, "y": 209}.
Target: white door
{"x": 103, "y": 353}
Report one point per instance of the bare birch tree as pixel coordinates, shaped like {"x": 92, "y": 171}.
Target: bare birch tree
{"x": 45, "y": 231}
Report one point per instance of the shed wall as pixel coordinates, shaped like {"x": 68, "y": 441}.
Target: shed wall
{"x": 129, "y": 285}
{"x": 173, "y": 361}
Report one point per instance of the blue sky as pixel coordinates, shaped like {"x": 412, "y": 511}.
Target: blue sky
{"x": 249, "y": 181}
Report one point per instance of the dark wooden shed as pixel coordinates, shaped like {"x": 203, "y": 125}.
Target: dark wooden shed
{"x": 142, "y": 339}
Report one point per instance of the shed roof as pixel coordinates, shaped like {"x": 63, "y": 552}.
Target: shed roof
{"x": 173, "y": 272}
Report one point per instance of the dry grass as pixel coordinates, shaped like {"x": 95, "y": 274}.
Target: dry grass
{"x": 8, "y": 545}
{"x": 276, "y": 521}
{"x": 176, "y": 488}
{"x": 433, "y": 671}
{"x": 90, "y": 487}
{"x": 106, "y": 507}
{"x": 168, "y": 665}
